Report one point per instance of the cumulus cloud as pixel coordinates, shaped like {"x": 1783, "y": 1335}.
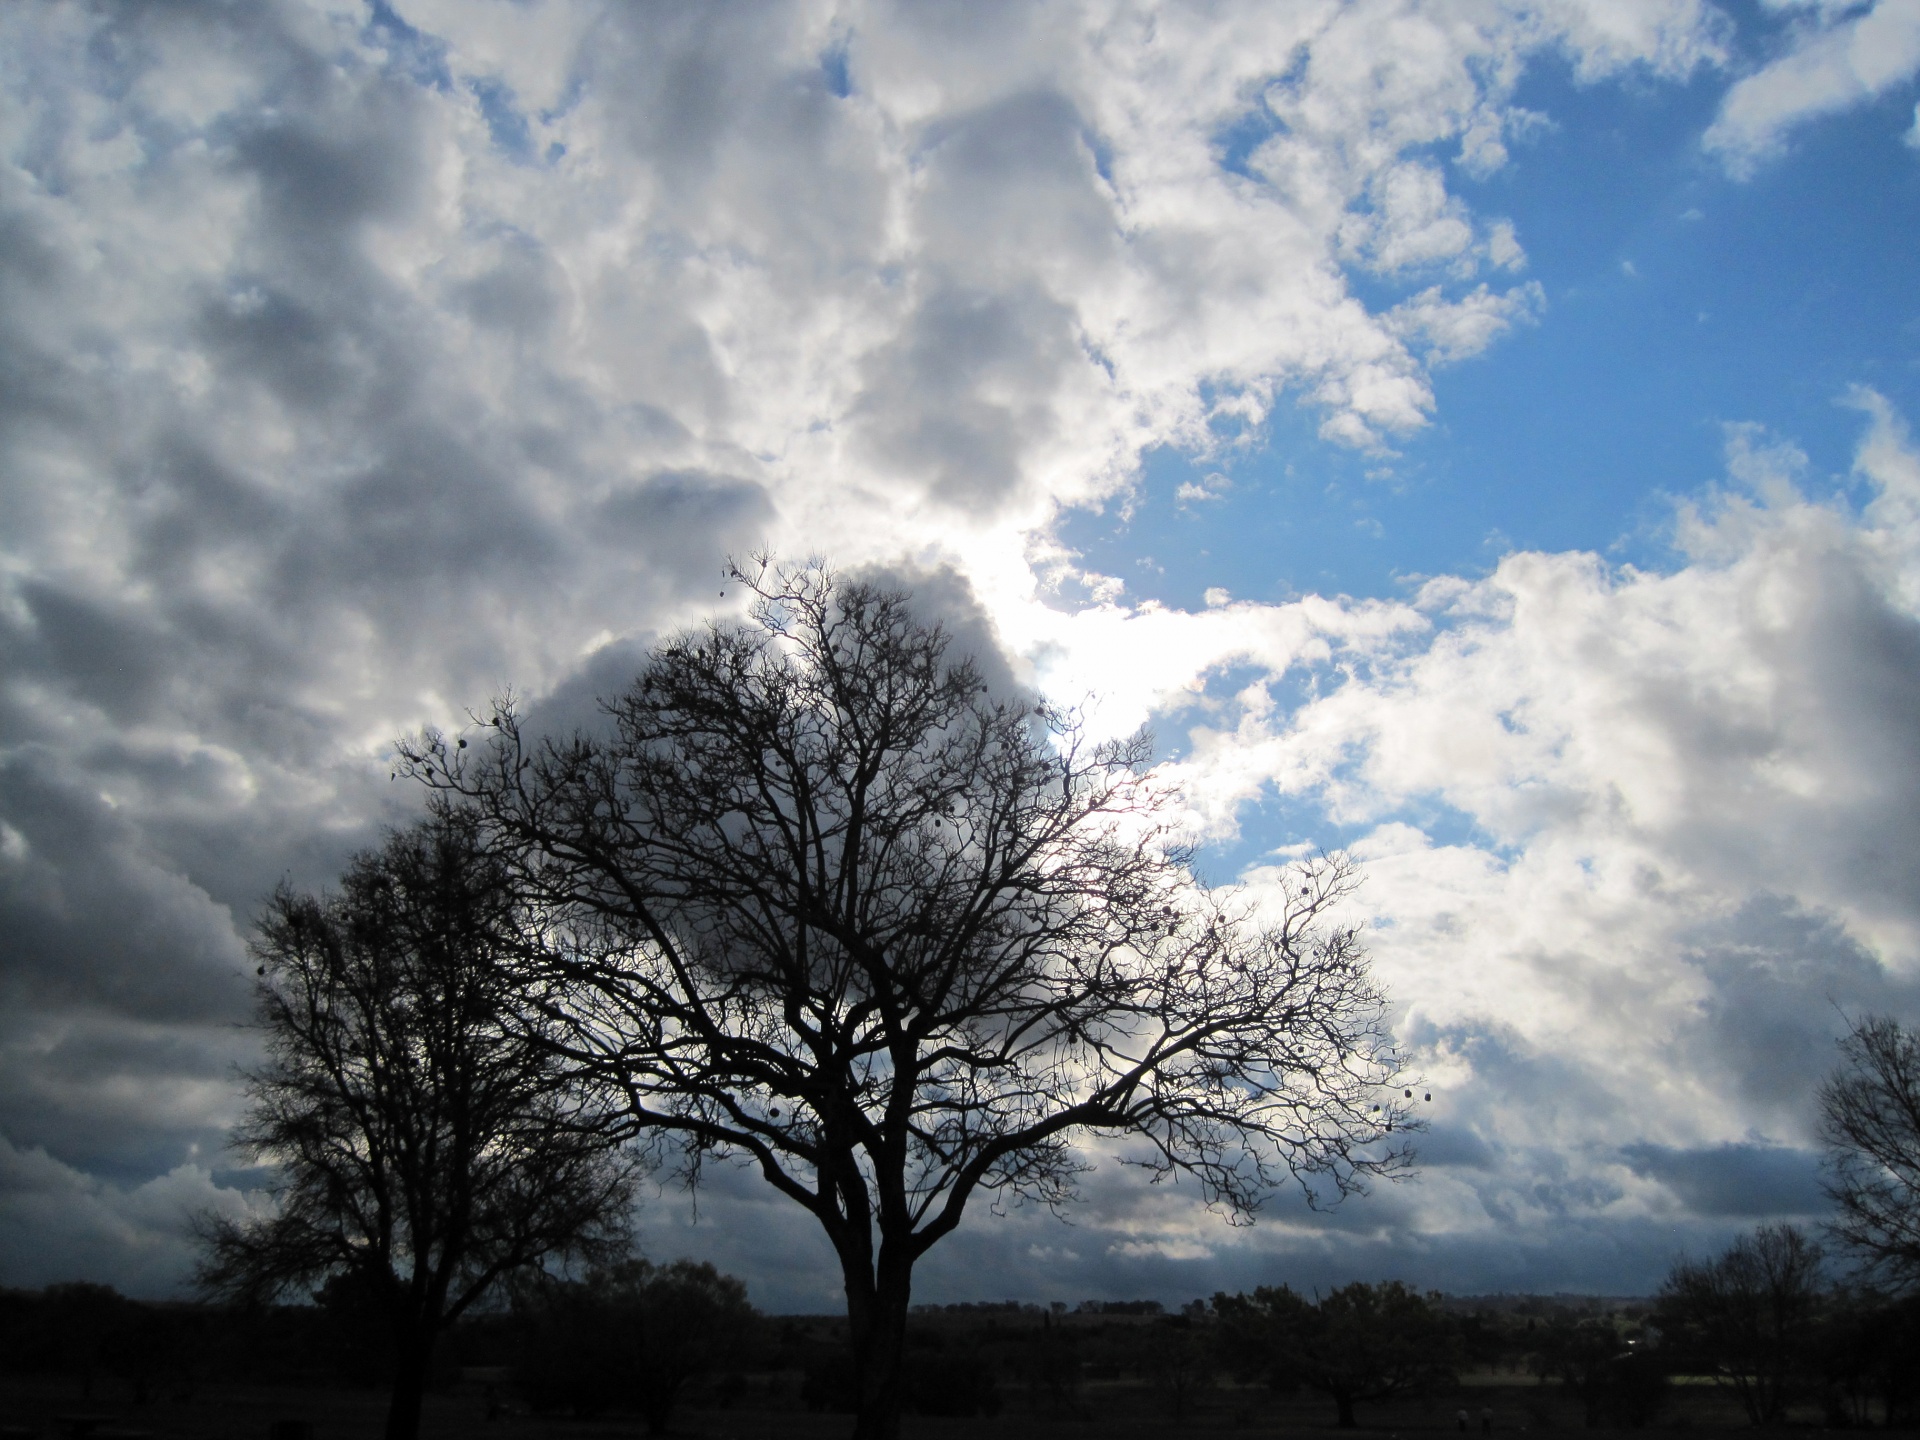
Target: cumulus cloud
{"x": 356, "y": 362}
{"x": 1637, "y": 842}
{"x": 57, "y": 1220}
{"x": 1836, "y": 56}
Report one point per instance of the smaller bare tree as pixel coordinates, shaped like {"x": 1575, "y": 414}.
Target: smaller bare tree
{"x": 428, "y": 1147}
{"x": 1870, "y": 1119}
{"x": 1747, "y": 1316}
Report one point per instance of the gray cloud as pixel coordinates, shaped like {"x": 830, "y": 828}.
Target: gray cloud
{"x": 1735, "y": 1180}
{"x": 356, "y": 366}
{"x": 1456, "y": 1146}
{"x": 1783, "y": 984}
{"x": 967, "y": 389}
{"x": 942, "y": 595}
{"x": 94, "y": 921}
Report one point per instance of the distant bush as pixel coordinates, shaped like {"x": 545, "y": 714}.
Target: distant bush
{"x": 1358, "y": 1343}
{"x": 1617, "y": 1378}
{"x": 629, "y": 1337}
{"x": 1051, "y": 1364}
{"x": 1178, "y": 1359}
{"x": 831, "y": 1383}
{"x": 959, "y": 1384}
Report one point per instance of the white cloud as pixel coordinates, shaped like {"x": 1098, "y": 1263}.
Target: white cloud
{"x": 1679, "y": 828}
{"x": 1843, "y": 56}
{"x": 1213, "y": 486}
{"x": 356, "y": 368}
{"x": 58, "y": 1223}
{"x": 1455, "y": 329}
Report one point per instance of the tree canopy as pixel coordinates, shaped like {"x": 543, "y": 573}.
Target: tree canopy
{"x": 835, "y": 908}
{"x": 1870, "y": 1119}
{"x": 428, "y": 1142}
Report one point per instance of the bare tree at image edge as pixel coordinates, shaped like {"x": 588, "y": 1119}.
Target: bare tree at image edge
{"x": 1870, "y": 1120}
{"x": 838, "y": 912}
{"x": 427, "y": 1147}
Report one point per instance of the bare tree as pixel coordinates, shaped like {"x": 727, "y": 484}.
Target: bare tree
{"x": 1748, "y": 1315}
{"x": 1870, "y": 1120}
{"x": 427, "y": 1149}
{"x": 840, "y": 912}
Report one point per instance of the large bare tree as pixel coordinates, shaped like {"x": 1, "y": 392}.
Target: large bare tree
{"x": 840, "y": 911}
{"x": 427, "y": 1146}
{"x": 1870, "y": 1119}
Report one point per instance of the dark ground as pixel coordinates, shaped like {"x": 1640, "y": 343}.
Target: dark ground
{"x": 770, "y": 1410}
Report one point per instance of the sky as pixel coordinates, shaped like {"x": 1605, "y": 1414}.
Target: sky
{"x": 1474, "y": 434}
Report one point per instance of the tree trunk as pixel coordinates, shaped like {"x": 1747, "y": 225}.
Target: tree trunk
{"x": 412, "y": 1359}
{"x": 659, "y": 1405}
{"x": 1344, "y": 1402}
{"x": 877, "y": 1326}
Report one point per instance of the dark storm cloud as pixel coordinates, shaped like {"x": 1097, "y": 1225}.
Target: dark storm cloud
{"x": 94, "y": 921}
{"x": 1735, "y": 1180}
{"x": 1783, "y": 986}
{"x": 78, "y": 1088}
{"x": 268, "y": 512}
{"x": 578, "y": 704}
{"x": 110, "y": 656}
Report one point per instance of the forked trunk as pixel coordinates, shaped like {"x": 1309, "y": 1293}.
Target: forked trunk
{"x": 877, "y": 1328}
{"x": 1343, "y": 1400}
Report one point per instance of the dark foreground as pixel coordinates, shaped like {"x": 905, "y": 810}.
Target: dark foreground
{"x": 771, "y": 1410}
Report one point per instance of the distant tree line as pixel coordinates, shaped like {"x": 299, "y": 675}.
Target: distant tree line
{"x": 629, "y": 1337}
{"x": 1758, "y": 1320}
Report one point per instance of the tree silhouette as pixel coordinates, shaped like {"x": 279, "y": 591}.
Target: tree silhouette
{"x": 631, "y": 1333}
{"x": 838, "y": 910}
{"x": 1360, "y": 1342}
{"x": 1748, "y": 1316}
{"x": 1870, "y": 1119}
{"x": 427, "y": 1147}
{"x": 1618, "y": 1379}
